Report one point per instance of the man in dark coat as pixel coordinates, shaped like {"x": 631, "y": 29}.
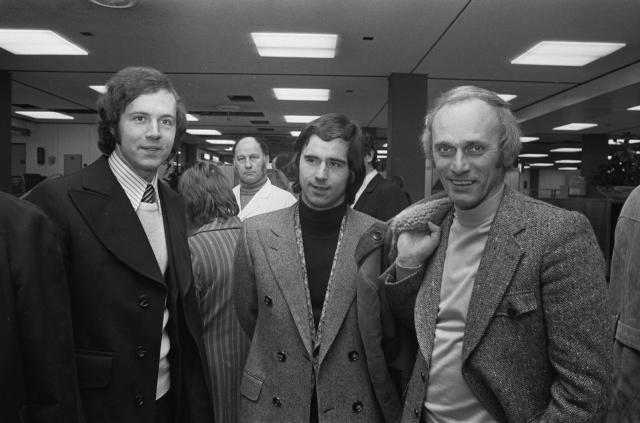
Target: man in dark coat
{"x": 136, "y": 327}
{"x": 36, "y": 347}
{"x": 377, "y": 196}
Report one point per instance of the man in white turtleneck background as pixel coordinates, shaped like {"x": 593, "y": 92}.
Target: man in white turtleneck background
{"x": 255, "y": 194}
{"x": 507, "y": 296}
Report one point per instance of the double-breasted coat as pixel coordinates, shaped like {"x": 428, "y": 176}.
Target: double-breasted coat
{"x": 278, "y": 379}
{"x": 536, "y": 344}
{"x": 117, "y": 294}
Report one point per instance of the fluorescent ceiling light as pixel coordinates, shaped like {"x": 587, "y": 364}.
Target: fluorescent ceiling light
{"x": 203, "y": 132}
{"x": 299, "y": 118}
{"x": 191, "y": 118}
{"x": 529, "y": 139}
{"x": 507, "y": 97}
{"x": 221, "y": 142}
{"x": 533, "y": 155}
{"x": 99, "y": 88}
{"x": 37, "y": 42}
{"x": 635, "y": 108}
{"x": 566, "y": 150}
{"x": 381, "y": 151}
{"x": 568, "y": 161}
{"x": 565, "y": 53}
{"x": 278, "y": 44}
{"x": 45, "y": 115}
{"x": 228, "y": 149}
{"x": 575, "y": 126}
{"x": 541, "y": 164}
{"x": 206, "y": 156}
{"x": 302, "y": 94}
{"x": 295, "y": 133}
{"x": 385, "y": 145}
{"x": 568, "y": 168}
{"x": 634, "y": 141}
{"x": 382, "y": 156}
{"x": 609, "y": 157}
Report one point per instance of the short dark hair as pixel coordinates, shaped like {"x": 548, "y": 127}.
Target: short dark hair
{"x": 207, "y": 194}
{"x": 330, "y": 127}
{"x": 369, "y": 145}
{"x": 123, "y": 88}
{"x": 263, "y": 146}
{"x": 510, "y": 143}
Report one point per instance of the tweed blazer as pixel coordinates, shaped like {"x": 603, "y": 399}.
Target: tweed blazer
{"x": 536, "y": 341}
{"x": 278, "y": 380}
{"x": 118, "y": 293}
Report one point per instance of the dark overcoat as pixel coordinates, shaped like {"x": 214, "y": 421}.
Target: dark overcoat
{"x": 117, "y": 294}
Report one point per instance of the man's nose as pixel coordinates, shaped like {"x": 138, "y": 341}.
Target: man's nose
{"x": 460, "y": 162}
{"x": 322, "y": 172}
{"x": 153, "y": 130}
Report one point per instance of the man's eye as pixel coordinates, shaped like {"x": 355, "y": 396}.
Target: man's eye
{"x": 475, "y": 149}
{"x": 310, "y": 160}
{"x": 445, "y": 150}
{"x": 139, "y": 118}
{"x": 167, "y": 122}
{"x": 254, "y": 158}
{"x": 336, "y": 165}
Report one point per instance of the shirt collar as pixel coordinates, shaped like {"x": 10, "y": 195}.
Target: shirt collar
{"x": 131, "y": 182}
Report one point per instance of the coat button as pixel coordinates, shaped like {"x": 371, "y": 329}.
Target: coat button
{"x": 140, "y": 352}
{"x": 139, "y": 400}
{"x": 268, "y": 301}
{"x": 416, "y": 412}
{"x": 282, "y": 357}
{"x": 423, "y": 376}
{"x": 512, "y": 312}
{"x": 377, "y": 236}
{"x": 354, "y": 356}
{"x": 144, "y": 301}
{"x": 276, "y": 402}
{"x": 357, "y": 407}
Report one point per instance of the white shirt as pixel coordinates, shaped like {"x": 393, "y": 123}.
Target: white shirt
{"x": 268, "y": 198}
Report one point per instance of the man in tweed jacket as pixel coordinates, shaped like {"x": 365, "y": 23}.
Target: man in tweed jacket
{"x": 506, "y": 293}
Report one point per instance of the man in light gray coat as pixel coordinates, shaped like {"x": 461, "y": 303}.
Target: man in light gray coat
{"x": 507, "y": 295}
{"x": 295, "y": 291}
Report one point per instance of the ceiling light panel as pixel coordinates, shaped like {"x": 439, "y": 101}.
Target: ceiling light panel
{"x": 274, "y": 44}
{"x": 37, "y": 42}
{"x": 507, "y": 97}
{"x": 568, "y": 168}
{"x": 99, "y": 88}
{"x": 565, "y": 53}
{"x": 566, "y": 150}
{"x": 575, "y": 126}
{"x": 295, "y": 133}
{"x": 302, "y": 94}
{"x": 533, "y": 155}
{"x": 568, "y": 161}
{"x": 191, "y": 118}
{"x": 45, "y": 115}
{"x": 221, "y": 142}
{"x": 541, "y": 164}
{"x": 635, "y": 108}
{"x": 529, "y": 139}
{"x": 299, "y": 118}
{"x": 203, "y": 132}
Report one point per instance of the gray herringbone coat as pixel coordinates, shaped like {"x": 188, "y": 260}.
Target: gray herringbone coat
{"x": 277, "y": 383}
{"x": 536, "y": 342}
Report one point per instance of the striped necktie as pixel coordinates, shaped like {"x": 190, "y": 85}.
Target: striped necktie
{"x": 149, "y": 195}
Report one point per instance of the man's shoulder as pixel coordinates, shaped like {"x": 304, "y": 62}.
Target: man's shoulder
{"x": 270, "y": 219}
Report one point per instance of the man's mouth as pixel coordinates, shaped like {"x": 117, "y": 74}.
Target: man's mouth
{"x": 461, "y": 182}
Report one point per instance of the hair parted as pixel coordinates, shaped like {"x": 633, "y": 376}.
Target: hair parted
{"x": 509, "y": 130}
{"x": 122, "y": 89}
{"x": 328, "y": 128}
{"x": 207, "y": 194}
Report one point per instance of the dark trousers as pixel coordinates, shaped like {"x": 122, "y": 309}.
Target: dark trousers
{"x": 165, "y": 409}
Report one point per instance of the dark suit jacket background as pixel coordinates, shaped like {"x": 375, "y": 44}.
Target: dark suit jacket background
{"x": 117, "y": 293}
{"x": 381, "y": 199}
{"x": 36, "y": 348}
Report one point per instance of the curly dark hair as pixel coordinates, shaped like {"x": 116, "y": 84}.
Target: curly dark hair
{"x": 123, "y": 88}
{"x": 330, "y": 127}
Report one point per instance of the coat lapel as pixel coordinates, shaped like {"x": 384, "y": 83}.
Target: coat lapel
{"x": 105, "y": 207}
{"x": 343, "y": 286}
{"x": 281, "y": 249}
{"x": 502, "y": 253}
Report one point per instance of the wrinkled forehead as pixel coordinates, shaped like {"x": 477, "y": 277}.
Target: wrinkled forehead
{"x": 247, "y": 147}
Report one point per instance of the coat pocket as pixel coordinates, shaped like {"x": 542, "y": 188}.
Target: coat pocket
{"x": 94, "y": 368}
{"x": 516, "y": 304}
{"x": 250, "y": 386}
{"x": 628, "y": 335}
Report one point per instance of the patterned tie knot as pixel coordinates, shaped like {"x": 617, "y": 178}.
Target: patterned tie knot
{"x": 149, "y": 195}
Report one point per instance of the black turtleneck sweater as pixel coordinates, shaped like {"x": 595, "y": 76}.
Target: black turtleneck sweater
{"x": 320, "y": 231}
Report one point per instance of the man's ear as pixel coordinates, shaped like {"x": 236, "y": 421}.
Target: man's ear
{"x": 368, "y": 156}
